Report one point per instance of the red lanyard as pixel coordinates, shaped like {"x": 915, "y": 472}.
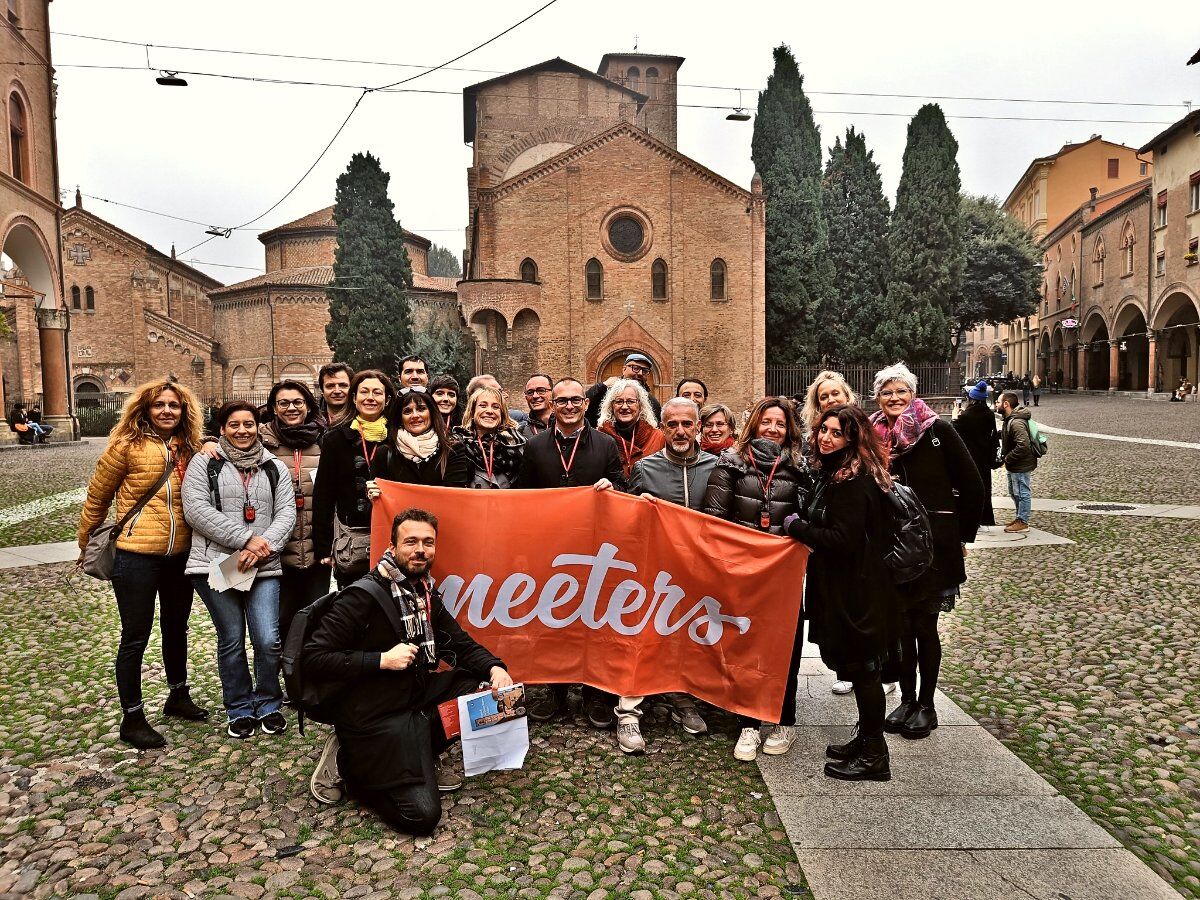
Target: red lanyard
{"x": 489, "y": 457}
{"x": 765, "y": 514}
{"x": 628, "y": 449}
{"x": 297, "y": 455}
{"x": 565, "y": 464}
{"x": 247, "y": 507}
{"x": 369, "y": 456}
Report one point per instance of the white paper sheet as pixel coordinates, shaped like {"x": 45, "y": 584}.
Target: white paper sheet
{"x": 502, "y": 746}
{"x": 223, "y": 574}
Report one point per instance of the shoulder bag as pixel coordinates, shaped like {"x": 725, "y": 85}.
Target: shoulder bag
{"x": 100, "y": 554}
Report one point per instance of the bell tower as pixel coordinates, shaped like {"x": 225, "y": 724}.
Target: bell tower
{"x": 654, "y": 76}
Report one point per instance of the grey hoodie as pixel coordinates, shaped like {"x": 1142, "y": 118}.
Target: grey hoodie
{"x": 226, "y": 531}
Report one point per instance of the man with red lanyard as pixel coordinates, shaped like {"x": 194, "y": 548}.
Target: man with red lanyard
{"x": 541, "y": 410}
{"x": 572, "y": 454}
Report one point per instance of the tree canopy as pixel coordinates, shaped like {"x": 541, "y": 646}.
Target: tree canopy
{"x": 443, "y": 262}
{"x": 370, "y": 324}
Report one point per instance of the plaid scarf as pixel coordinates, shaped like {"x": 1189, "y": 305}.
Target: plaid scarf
{"x": 414, "y": 607}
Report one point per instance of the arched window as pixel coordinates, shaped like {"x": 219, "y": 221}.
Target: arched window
{"x": 240, "y": 382}
{"x": 595, "y": 279}
{"x": 18, "y": 139}
{"x": 633, "y": 74}
{"x": 658, "y": 280}
{"x": 1098, "y": 262}
{"x": 1071, "y": 283}
{"x": 1127, "y": 248}
{"x": 716, "y": 274}
{"x": 529, "y": 270}
{"x": 89, "y": 299}
{"x": 651, "y": 82}
{"x": 76, "y": 303}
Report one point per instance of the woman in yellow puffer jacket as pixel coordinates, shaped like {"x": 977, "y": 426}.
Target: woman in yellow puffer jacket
{"x": 160, "y": 427}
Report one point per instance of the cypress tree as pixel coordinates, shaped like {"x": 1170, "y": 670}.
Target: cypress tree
{"x": 786, "y": 149}
{"x": 926, "y": 244}
{"x": 370, "y": 323}
{"x": 856, "y": 212}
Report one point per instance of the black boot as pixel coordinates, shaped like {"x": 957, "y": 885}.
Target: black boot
{"x": 920, "y": 723}
{"x": 180, "y": 704}
{"x": 848, "y": 750}
{"x": 873, "y": 764}
{"x": 136, "y": 731}
{"x": 895, "y": 721}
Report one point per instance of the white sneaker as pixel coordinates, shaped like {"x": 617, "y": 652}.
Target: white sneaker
{"x": 779, "y": 741}
{"x": 889, "y": 688}
{"x": 326, "y": 782}
{"x": 843, "y": 687}
{"x": 746, "y": 748}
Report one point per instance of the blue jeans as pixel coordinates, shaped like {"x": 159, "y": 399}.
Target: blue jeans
{"x": 1022, "y": 494}
{"x": 231, "y": 612}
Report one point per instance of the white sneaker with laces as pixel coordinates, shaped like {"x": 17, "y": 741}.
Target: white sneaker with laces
{"x": 326, "y": 782}
{"x": 779, "y": 741}
{"x": 843, "y": 687}
{"x": 746, "y": 748}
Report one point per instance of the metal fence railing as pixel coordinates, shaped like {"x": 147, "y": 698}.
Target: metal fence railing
{"x": 941, "y": 380}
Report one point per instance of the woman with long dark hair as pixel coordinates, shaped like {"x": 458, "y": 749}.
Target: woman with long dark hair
{"x": 292, "y": 430}
{"x": 157, "y": 435}
{"x": 758, "y": 482}
{"x": 423, "y": 450}
{"x": 352, "y": 454}
{"x": 849, "y": 596}
{"x": 926, "y": 453}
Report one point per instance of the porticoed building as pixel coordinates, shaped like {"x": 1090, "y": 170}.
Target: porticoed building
{"x": 136, "y": 313}
{"x": 1050, "y": 191}
{"x": 33, "y": 355}
{"x": 272, "y": 326}
{"x": 591, "y": 235}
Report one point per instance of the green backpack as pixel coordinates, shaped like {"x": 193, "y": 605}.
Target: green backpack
{"x": 1037, "y": 440}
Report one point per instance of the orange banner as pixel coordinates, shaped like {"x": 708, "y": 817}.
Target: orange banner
{"x": 575, "y": 586}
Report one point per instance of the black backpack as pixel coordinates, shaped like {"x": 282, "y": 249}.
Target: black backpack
{"x": 214, "y": 472}
{"x": 911, "y": 551}
{"x": 315, "y": 698}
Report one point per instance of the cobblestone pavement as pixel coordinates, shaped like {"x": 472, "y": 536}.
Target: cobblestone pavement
{"x": 1127, "y": 416}
{"x": 29, "y": 474}
{"x": 1083, "y": 660}
{"x": 209, "y": 816}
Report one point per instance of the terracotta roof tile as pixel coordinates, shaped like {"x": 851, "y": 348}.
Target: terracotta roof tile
{"x": 312, "y": 276}
{"x": 434, "y": 283}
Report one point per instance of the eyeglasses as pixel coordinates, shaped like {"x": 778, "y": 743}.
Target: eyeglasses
{"x": 537, "y": 392}
{"x": 290, "y": 404}
{"x": 568, "y": 401}
{"x": 898, "y": 392}
{"x": 624, "y": 402}
{"x": 638, "y": 370}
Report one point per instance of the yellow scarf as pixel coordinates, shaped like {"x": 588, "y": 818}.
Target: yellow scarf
{"x": 371, "y": 431}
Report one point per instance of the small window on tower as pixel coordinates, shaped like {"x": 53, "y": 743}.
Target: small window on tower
{"x": 89, "y": 299}
{"x": 595, "y": 279}
{"x": 717, "y": 279}
{"x": 529, "y": 270}
{"x": 76, "y": 302}
{"x": 1114, "y": 168}
{"x": 658, "y": 278}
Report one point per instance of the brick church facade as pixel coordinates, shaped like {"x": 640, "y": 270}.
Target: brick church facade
{"x": 591, "y": 235}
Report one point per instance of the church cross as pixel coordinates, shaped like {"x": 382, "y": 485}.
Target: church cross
{"x": 80, "y": 254}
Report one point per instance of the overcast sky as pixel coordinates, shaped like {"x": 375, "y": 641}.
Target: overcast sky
{"x": 223, "y": 151}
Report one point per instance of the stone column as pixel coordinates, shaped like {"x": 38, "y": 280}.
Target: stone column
{"x": 1151, "y": 362}
{"x": 1114, "y": 363}
{"x": 52, "y": 341}
{"x": 1081, "y": 380}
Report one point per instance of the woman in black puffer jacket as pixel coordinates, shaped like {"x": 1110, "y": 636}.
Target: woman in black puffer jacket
{"x": 758, "y": 482}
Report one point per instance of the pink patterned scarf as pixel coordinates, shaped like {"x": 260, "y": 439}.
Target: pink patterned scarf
{"x": 902, "y": 435}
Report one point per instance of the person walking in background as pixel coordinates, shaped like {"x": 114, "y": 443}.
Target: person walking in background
{"x": 678, "y": 473}
{"x": 626, "y": 417}
{"x": 976, "y": 425}
{"x": 926, "y": 453}
{"x": 242, "y": 505}
{"x": 1016, "y": 452}
{"x": 1037, "y": 388}
{"x": 490, "y": 441}
{"x": 850, "y": 597}
{"x": 717, "y": 428}
{"x": 333, "y": 380}
{"x": 758, "y": 483}
{"x": 147, "y": 454}
{"x": 352, "y": 454}
{"x": 291, "y": 432}
{"x": 1026, "y": 389}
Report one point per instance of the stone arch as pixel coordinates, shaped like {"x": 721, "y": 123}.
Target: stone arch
{"x": 493, "y": 338}
{"x": 239, "y": 382}
{"x": 1133, "y": 349}
{"x": 1177, "y": 329}
{"x": 506, "y": 159}
{"x": 30, "y": 252}
{"x": 626, "y": 338}
{"x": 298, "y": 372}
{"x": 997, "y": 360}
{"x": 31, "y": 148}
{"x": 262, "y": 379}
{"x": 1045, "y": 356}
{"x": 1095, "y": 336}
{"x": 88, "y": 390}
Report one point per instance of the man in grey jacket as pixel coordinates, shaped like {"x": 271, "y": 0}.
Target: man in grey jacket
{"x": 678, "y": 473}
{"x": 1019, "y": 459}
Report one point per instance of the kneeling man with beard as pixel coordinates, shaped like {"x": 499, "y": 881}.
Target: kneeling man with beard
{"x": 388, "y": 724}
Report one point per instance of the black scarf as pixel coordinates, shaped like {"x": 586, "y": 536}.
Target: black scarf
{"x": 298, "y": 437}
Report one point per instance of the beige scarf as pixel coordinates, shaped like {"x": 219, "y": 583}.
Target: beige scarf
{"x": 418, "y": 448}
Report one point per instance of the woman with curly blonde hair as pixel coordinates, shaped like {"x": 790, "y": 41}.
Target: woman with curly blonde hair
{"x": 627, "y": 416}
{"x": 148, "y": 451}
